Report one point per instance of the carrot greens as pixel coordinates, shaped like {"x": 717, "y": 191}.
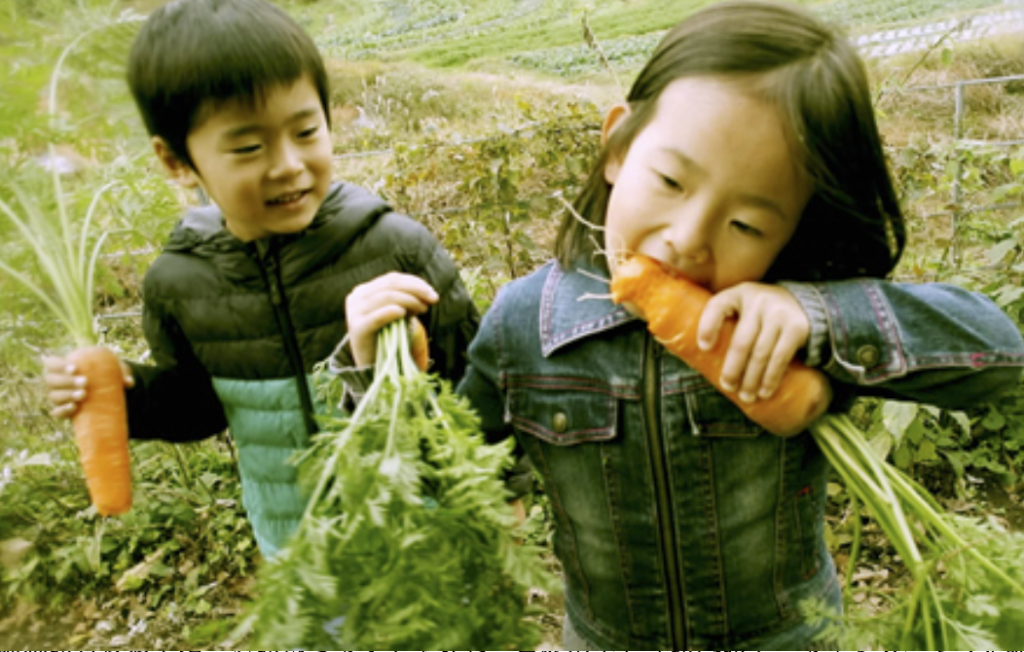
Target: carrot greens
{"x": 967, "y": 577}
{"x": 407, "y": 541}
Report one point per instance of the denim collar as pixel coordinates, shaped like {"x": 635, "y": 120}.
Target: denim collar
{"x": 575, "y": 304}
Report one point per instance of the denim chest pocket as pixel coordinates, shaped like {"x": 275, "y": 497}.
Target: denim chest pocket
{"x": 563, "y": 416}
{"x": 711, "y": 414}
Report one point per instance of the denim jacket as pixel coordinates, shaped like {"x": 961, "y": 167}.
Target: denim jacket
{"x": 681, "y": 524}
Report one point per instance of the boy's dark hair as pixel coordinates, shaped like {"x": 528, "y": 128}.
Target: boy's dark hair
{"x": 193, "y": 55}
{"x": 852, "y": 225}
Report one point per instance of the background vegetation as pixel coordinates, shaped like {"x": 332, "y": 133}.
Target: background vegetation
{"x": 470, "y": 115}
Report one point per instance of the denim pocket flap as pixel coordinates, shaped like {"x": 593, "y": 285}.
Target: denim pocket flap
{"x": 564, "y": 417}
{"x": 713, "y": 415}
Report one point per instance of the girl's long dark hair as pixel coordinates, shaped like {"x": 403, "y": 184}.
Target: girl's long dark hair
{"x": 852, "y": 226}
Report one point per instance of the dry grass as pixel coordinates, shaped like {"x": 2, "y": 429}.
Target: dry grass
{"x": 992, "y": 111}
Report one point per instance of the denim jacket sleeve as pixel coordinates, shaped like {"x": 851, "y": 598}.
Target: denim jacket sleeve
{"x": 929, "y": 342}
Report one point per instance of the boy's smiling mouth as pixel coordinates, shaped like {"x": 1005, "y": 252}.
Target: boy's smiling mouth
{"x": 290, "y": 198}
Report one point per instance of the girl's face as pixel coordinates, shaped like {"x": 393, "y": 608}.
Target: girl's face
{"x": 710, "y": 186}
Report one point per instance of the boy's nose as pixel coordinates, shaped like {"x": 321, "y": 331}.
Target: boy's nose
{"x": 287, "y": 162}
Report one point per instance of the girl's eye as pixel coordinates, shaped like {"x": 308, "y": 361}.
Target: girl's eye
{"x": 309, "y": 133}
{"x": 670, "y": 182}
{"x": 248, "y": 149}
{"x": 746, "y": 229}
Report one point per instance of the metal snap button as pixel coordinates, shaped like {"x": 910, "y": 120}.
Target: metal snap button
{"x": 868, "y": 356}
{"x": 560, "y": 422}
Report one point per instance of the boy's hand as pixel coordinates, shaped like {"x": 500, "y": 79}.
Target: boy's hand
{"x": 377, "y": 303}
{"x": 66, "y": 389}
{"x": 771, "y": 327}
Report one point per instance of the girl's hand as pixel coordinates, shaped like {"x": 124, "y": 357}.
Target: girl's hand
{"x": 771, "y": 327}
{"x": 66, "y": 389}
{"x": 377, "y": 303}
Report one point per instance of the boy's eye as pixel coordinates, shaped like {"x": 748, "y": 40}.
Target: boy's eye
{"x": 307, "y": 133}
{"x": 246, "y": 149}
{"x": 746, "y": 229}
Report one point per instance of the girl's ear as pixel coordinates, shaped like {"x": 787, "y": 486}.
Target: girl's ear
{"x": 612, "y": 120}
{"x": 178, "y": 170}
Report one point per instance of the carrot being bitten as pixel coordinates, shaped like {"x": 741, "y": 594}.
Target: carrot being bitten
{"x": 672, "y": 306}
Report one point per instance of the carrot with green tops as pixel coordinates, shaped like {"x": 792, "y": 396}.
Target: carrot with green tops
{"x": 66, "y": 264}
{"x": 672, "y": 305}
{"x": 101, "y": 430}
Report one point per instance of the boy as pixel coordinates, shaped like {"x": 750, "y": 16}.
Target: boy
{"x": 250, "y": 293}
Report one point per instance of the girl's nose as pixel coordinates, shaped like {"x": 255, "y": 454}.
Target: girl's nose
{"x": 688, "y": 237}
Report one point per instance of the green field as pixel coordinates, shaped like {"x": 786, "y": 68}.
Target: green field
{"x": 546, "y": 35}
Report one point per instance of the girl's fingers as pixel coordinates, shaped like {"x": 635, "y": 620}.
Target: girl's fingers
{"x": 785, "y": 350}
{"x": 762, "y": 355}
{"x": 737, "y": 358}
{"x": 722, "y": 306}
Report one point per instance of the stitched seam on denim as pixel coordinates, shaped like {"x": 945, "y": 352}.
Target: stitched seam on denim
{"x": 584, "y": 328}
{"x": 546, "y": 301}
{"x": 837, "y": 327}
{"x": 611, "y": 494}
{"x": 781, "y": 601}
{"x": 713, "y": 542}
{"x": 701, "y": 425}
{"x": 579, "y": 384}
{"x": 886, "y": 324}
{"x": 549, "y": 340}
{"x": 570, "y": 537}
{"x": 600, "y": 434}
{"x": 695, "y": 384}
{"x": 967, "y": 360}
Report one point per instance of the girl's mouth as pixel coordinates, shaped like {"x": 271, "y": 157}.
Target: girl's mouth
{"x": 290, "y": 198}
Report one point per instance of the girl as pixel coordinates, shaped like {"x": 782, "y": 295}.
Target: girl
{"x": 746, "y": 156}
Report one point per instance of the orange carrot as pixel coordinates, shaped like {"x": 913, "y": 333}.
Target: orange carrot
{"x": 419, "y": 343}
{"x": 672, "y": 306}
{"x": 101, "y": 430}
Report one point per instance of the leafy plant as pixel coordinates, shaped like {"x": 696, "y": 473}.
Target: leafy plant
{"x": 967, "y": 590}
{"x": 407, "y": 542}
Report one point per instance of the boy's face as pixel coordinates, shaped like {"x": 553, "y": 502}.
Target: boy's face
{"x": 267, "y": 167}
{"x": 710, "y": 186}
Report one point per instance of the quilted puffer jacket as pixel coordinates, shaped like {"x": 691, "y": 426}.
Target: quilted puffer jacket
{"x": 235, "y": 329}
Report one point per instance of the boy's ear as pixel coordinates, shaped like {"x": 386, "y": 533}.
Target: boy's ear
{"x": 612, "y": 120}
{"x": 178, "y": 170}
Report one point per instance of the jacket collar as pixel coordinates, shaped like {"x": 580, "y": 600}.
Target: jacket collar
{"x": 575, "y": 303}
{"x": 351, "y": 208}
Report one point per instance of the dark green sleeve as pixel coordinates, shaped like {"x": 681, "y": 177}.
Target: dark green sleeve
{"x": 172, "y": 399}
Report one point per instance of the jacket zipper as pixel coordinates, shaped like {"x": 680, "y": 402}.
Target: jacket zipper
{"x": 272, "y": 276}
{"x": 663, "y": 497}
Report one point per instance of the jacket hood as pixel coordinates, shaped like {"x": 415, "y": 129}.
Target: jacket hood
{"x": 350, "y": 208}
